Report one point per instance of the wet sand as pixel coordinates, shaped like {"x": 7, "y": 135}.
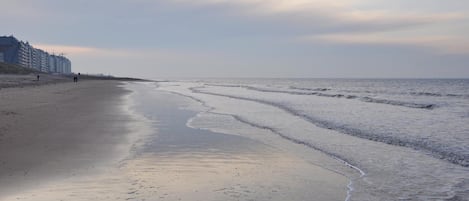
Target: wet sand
{"x": 172, "y": 161}
{"x": 56, "y": 131}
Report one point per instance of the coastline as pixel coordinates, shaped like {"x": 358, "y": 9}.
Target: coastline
{"x": 174, "y": 161}
{"x": 393, "y": 171}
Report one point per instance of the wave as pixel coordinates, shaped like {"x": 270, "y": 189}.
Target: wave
{"x": 286, "y": 137}
{"x": 309, "y": 145}
{"x": 437, "y": 150}
{"x": 291, "y": 139}
{"x": 361, "y": 98}
{"x": 310, "y": 89}
{"x": 429, "y": 94}
{"x": 398, "y": 103}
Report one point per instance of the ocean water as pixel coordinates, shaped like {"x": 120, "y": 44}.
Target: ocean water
{"x": 395, "y": 139}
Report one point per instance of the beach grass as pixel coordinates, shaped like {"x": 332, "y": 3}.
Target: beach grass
{"x": 6, "y": 68}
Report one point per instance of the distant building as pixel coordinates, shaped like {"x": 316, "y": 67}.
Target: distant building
{"x": 22, "y": 53}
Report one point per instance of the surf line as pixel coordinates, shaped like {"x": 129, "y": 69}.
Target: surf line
{"x": 211, "y": 109}
{"x": 296, "y": 141}
{"x": 316, "y": 93}
{"x": 396, "y": 141}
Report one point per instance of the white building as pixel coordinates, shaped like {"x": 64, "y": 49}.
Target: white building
{"x": 23, "y": 54}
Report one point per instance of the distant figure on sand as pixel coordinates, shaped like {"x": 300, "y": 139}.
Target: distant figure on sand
{"x": 75, "y": 79}
{"x": 37, "y": 77}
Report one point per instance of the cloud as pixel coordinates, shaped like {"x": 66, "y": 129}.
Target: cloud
{"x": 21, "y": 10}
{"x": 343, "y": 22}
{"x": 326, "y": 13}
{"x": 134, "y": 53}
{"x": 440, "y": 44}
{"x": 66, "y": 49}
{"x": 121, "y": 61}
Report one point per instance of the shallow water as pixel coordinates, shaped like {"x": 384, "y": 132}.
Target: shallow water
{"x": 409, "y": 137}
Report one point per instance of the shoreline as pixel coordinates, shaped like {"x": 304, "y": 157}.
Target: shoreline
{"x": 173, "y": 160}
{"x": 275, "y": 163}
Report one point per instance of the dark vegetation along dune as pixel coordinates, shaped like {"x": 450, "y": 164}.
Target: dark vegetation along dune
{"x": 12, "y": 75}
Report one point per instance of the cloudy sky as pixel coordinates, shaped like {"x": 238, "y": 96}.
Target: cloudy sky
{"x": 249, "y": 38}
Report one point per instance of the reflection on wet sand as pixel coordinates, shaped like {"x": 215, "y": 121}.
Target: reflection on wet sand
{"x": 214, "y": 175}
{"x": 182, "y": 163}
{"x": 209, "y": 175}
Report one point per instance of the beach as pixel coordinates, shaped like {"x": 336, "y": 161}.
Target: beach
{"x": 56, "y": 131}
{"x": 225, "y": 100}
{"x": 110, "y": 140}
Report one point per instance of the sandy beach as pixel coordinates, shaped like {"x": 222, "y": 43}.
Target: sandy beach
{"x": 56, "y": 131}
{"x": 81, "y": 142}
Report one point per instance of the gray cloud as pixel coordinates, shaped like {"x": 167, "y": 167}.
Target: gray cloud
{"x": 254, "y": 38}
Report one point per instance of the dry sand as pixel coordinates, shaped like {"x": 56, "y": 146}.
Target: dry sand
{"x": 55, "y": 131}
{"x": 12, "y": 80}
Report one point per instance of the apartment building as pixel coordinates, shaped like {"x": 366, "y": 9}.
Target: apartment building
{"x": 22, "y": 53}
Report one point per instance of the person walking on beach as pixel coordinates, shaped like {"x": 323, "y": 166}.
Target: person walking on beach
{"x": 37, "y": 77}
{"x": 75, "y": 78}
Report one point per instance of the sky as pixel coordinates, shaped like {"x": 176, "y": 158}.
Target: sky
{"x": 249, "y": 38}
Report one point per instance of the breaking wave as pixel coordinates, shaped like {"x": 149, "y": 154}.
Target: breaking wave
{"x": 429, "y": 94}
{"x": 315, "y": 92}
{"x": 309, "y": 89}
{"x": 436, "y": 149}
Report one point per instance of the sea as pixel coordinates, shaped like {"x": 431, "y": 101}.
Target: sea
{"x": 394, "y": 139}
